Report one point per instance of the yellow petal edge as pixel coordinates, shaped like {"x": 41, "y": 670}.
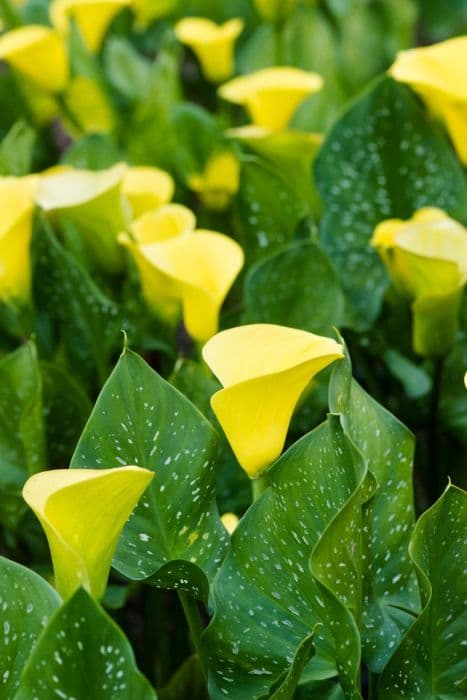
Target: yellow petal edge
{"x": 264, "y": 369}
{"x": 83, "y": 512}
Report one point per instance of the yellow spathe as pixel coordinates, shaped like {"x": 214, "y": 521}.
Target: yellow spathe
{"x": 219, "y": 182}
{"x": 438, "y": 73}
{"x": 230, "y": 522}
{"x": 83, "y": 512}
{"x": 17, "y": 207}
{"x": 194, "y": 270}
{"x": 89, "y": 106}
{"x": 272, "y": 95}
{"x": 166, "y": 222}
{"x": 38, "y": 53}
{"x": 426, "y": 258}
{"x": 92, "y": 201}
{"x": 212, "y": 43}
{"x": 92, "y": 17}
{"x": 264, "y": 370}
{"x": 147, "y": 188}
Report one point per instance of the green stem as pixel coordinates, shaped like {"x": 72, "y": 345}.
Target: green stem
{"x": 192, "y": 616}
{"x": 437, "y": 473}
{"x": 259, "y": 486}
{"x": 372, "y": 686}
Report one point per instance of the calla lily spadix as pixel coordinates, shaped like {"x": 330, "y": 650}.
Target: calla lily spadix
{"x": 438, "y": 74}
{"x": 38, "y": 53}
{"x": 426, "y": 258}
{"x": 193, "y": 270}
{"x": 83, "y": 512}
{"x": 264, "y": 370}
{"x": 17, "y": 206}
{"x": 147, "y": 188}
{"x": 272, "y": 95}
{"x": 212, "y": 43}
{"x": 93, "y": 202}
{"x": 93, "y": 18}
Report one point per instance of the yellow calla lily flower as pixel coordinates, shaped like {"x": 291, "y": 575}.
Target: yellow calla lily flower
{"x": 93, "y": 202}
{"x": 147, "y": 188}
{"x": 38, "y": 53}
{"x": 17, "y": 207}
{"x": 219, "y": 182}
{"x": 166, "y": 222}
{"x": 212, "y": 43}
{"x": 194, "y": 270}
{"x": 426, "y": 258}
{"x": 264, "y": 370}
{"x": 272, "y": 95}
{"x": 93, "y": 18}
{"x": 438, "y": 74}
{"x": 83, "y": 512}
{"x": 275, "y": 10}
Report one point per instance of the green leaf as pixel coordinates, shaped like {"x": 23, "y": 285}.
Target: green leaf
{"x": 431, "y": 661}
{"x": 416, "y": 381}
{"x": 175, "y": 538}
{"x": 287, "y": 687}
{"x": 66, "y": 409}
{"x": 266, "y": 210}
{"x": 93, "y": 152}
{"x": 26, "y": 604}
{"x": 22, "y": 446}
{"x": 126, "y": 69}
{"x": 296, "y": 287}
{"x": 390, "y": 593}
{"x": 453, "y": 403}
{"x": 83, "y": 654}
{"x": 384, "y": 158}
{"x": 265, "y": 599}
{"x": 84, "y": 320}
{"x": 16, "y": 150}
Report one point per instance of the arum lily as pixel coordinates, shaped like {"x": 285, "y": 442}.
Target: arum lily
{"x": 39, "y": 54}
{"x": 147, "y": 188}
{"x": 83, "y": 512}
{"x": 272, "y": 95}
{"x": 93, "y": 203}
{"x": 166, "y": 222}
{"x": 426, "y": 258}
{"x": 439, "y": 76}
{"x": 92, "y": 17}
{"x": 146, "y": 11}
{"x": 275, "y": 11}
{"x": 194, "y": 271}
{"x": 89, "y": 107}
{"x": 219, "y": 182}
{"x": 212, "y": 43}
{"x": 264, "y": 370}
{"x": 17, "y": 206}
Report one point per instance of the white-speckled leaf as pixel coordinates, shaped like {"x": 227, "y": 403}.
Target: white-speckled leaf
{"x": 265, "y": 598}
{"x": 83, "y": 655}
{"x": 26, "y": 604}
{"x": 389, "y": 587}
{"x": 384, "y": 158}
{"x": 297, "y": 287}
{"x": 174, "y": 538}
{"x": 431, "y": 661}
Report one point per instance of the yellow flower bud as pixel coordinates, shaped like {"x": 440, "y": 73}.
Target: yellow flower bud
{"x": 212, "y": 43}
{"x": 219, "y": 182}
{"x": 264, "y": 370}
{"x": 93, "y": 18}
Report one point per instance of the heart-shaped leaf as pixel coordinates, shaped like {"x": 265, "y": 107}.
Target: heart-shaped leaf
{"x": 383, "y": 159}
{"x": 265, "y": 598}
{"x": 390, "y": 591}
{"x": 174, "y": 539}
{"x": 26, "y": 604}
{"x": 296, "y": 287}
{"x": 431, "y": 662}
{"x": 83, "y": 654}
